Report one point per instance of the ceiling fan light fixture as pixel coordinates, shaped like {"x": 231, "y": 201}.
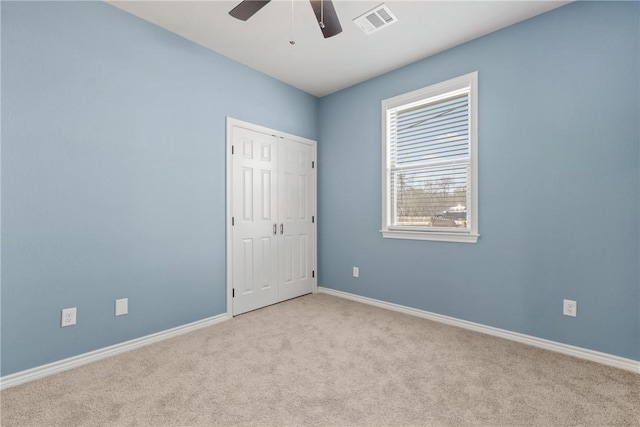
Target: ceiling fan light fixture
{"x": 323, "y": 9}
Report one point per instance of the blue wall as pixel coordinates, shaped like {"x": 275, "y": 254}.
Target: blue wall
{"x": 113, "y": 179}
{"x": 113, "y": 175}
{"x": 559, "y": 186}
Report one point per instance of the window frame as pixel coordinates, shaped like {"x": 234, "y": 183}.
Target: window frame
{"x": 425, "y": 95}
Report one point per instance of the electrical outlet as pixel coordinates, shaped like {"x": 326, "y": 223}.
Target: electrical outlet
{"x": 570, "y": 308}
{"x": 68, "y": 317}
{"x": 356, "y": 272}
{"x": 122, "y": 306}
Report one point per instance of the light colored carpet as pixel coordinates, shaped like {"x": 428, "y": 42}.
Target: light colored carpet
{"x": 322, "y": 360}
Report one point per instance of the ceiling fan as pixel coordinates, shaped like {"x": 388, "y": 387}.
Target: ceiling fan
{"x": 324, "y": 10}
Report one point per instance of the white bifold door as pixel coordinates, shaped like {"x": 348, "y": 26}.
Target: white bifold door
{"x": 273, "y": 201}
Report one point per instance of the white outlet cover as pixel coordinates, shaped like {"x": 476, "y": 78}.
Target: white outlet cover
{"x": 569, "y": 308}
{"x": 68, "y": 317}
{"x": 356, "y": 272}
{"x": 122, "y": 306}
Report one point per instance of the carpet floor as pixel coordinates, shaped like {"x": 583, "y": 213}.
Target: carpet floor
{"x": 324, "y": 361}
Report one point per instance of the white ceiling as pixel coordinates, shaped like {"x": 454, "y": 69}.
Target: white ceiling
{"x": 322, "y": 66}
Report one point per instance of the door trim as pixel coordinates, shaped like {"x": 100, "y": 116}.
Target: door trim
{"x": 231, "y": 123}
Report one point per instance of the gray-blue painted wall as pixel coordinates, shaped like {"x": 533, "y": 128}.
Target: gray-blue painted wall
{"x": 113, "y": 175}
{"x": 113, "y": 179}
{"x": 559, "y": 140}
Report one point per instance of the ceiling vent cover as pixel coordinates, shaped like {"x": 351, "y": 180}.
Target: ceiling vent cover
{"x": 377, "y": 18}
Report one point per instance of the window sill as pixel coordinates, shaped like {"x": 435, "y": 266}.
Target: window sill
{"x": 427, "y": 235}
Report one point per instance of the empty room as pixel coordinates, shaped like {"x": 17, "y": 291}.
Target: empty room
{"x": 320, "y": 212}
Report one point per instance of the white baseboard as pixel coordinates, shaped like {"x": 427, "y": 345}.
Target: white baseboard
{"x": 579, "y": 352}
{"x": 82, "y": 359}
{"x": 92, "y": 356}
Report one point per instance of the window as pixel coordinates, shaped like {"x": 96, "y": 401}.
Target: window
{"x": 429, "y": 156}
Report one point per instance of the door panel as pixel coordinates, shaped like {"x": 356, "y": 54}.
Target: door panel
{"x": 294, "y": 171}
{"x": 247, "y": 192}
{"x": 255, "y": 265}
{"x": 247, "y": 266}
{"x": 304, "y": 255}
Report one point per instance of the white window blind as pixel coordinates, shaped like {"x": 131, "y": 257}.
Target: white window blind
{"x": 429, "y": 146}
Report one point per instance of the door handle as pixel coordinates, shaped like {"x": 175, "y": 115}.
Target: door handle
{"x": 275, "y": 229}
{"x": 281, "y": 228}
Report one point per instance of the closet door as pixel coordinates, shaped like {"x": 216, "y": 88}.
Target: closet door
{"x": 296, "y": 197}
{"x": 254, "y": 212}
{"x": 271, "y": 241}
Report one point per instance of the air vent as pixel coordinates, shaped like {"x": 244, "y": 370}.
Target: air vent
{"x": 377, "y": 18}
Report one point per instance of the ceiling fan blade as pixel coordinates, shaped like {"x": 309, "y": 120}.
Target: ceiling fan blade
{"x": 326, "y": 13}
{"x": 247, "y": 8}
